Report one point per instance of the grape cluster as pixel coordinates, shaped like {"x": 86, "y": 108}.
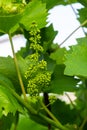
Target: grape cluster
{"x": 37, "y": 74}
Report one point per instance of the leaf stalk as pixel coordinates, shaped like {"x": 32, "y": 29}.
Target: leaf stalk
{"x": 53, "y": 122}
{"x": 83, "y": 123}
{"x": 17, "y": 68}
{"x": 53, "y": 117}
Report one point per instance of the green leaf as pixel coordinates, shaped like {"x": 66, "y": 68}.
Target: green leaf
{"x": 35, "y": 11}
{"x": 81, "y": 100}
{"x": 5, "y": 2}
{"x": 22, "y": 65}
{"x": 4, "y": 81}
{"x": 47, "y": 39}
{"x": 26, "y": 123}
{"x": 10, "y": 15}
{"x": 7, "y": 69}
{"x": 6, "y": 122}
{"x": 83, "y": 2}
{"x": 50, "y": 64}
{"x": 9, "y": 23}
{"x": 82, "y": 15}
{"x": 61, "y": 83}
{"x": 8, "y": 103}
{"x": 64, "y": 114}
{"x": 51, "y": 3}
{"x": 76, "y": 59}
{"x": 58, "y": 55}
{"x": 23, "y": 51}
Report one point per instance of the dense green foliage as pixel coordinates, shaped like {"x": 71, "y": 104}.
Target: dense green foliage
{"x": 32, "y": 80}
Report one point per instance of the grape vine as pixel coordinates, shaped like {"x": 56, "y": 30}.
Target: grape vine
{"x": 32, "y": 81}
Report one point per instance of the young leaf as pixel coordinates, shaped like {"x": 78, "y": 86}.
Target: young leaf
{"x": 76, "y": 59}
{"x": 35, "y": 11}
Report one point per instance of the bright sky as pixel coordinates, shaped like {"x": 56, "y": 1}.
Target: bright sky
{"x": 63, "y": 19}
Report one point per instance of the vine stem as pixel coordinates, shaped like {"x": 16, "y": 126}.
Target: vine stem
{"x": 35, "y": 112}
{"x": 17, "y": 68}
{"x": 83, "y": 123}
{"x": 84, "y": 23}
{"x": 46, "y": 102}
{"x": 53, "y": 117}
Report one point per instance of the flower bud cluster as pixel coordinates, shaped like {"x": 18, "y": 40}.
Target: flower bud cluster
{"x": 36, "y": 47}
{"x": 32, "y": 89}
{"x": 42, "y": 80}
{"x": 52, "y": 99}
{"x": 42, "y": 64}
{"x": 37, "y": 74}
{"x": 39, "y": 83}
{"x": 34, "y": 57}
{"x": 35, "y": 38}
{"x": 35, "y": 68}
